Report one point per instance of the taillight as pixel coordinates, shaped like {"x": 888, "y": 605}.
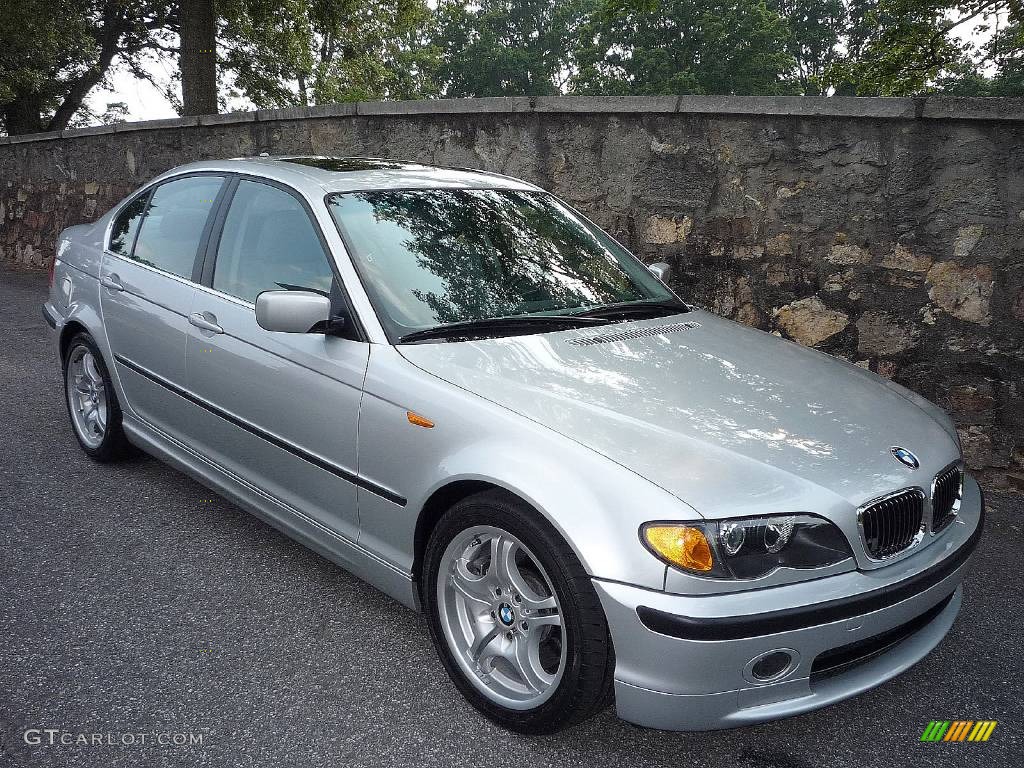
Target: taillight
{"x": 53, "y": 266}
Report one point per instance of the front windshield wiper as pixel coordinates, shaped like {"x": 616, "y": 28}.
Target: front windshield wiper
{"x": 500, "y": 326}
{"x": 635, "y": 309}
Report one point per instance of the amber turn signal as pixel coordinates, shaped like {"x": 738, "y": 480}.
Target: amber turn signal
{"x": 419, "y": 421}
{"x": 680, "y": 545}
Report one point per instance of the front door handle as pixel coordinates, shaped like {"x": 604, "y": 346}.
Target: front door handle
{"x": 205, "y": 320}
{"x": 113, "y": 282}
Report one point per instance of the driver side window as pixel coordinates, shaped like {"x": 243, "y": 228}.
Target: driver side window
{"x": 269, "y": 244}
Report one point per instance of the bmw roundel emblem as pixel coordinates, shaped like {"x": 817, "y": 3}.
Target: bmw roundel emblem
{"x": 506, "y": 614}
{"x": 905, "y": 457}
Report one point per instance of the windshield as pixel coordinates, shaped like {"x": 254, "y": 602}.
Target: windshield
{"x": 431, "y": 257}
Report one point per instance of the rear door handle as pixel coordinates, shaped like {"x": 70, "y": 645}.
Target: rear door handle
{"x": 113, "y": 282}
{"x": 205, "y": 320}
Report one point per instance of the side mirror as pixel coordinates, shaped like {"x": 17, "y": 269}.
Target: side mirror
{"x": 292, "y": 311}
{"x": 660, "y": 270}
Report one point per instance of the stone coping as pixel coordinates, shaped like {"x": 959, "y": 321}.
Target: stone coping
{"x": 925, "y": 108}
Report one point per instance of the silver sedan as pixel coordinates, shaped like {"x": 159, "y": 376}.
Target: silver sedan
{"x": 457, "y": 387}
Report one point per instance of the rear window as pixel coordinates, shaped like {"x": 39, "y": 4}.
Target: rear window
{"x": 122, "y": 234}
{"x": 173, "y": 225}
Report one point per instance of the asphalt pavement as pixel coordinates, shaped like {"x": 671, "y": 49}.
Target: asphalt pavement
{"x": 138, "y": 609}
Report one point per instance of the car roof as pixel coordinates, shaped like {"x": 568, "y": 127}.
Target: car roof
{"x": 318, "y": 174}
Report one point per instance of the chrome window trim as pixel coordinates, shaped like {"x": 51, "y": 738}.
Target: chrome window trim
{"x": 918, "y": 537}
{"x": 226, "y": 296}
{"x": 150, "y": 267}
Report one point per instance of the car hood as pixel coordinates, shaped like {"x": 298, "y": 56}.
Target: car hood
{"x": 730, "y": 420}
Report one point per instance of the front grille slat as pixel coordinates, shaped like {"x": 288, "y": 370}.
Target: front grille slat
{"x": 905, "y": 525}
{"x": 891, "y": 525}
{"x": 945, "y": 495}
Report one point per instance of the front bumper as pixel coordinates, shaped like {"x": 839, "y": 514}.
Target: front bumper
{"x": 684, "y": 662}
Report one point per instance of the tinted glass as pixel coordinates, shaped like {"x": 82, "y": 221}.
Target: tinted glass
{"x": 173, "y": 226}
{"x": 431, "y": 257}
{"x": 122, "y": 233}
{"x": 269, "y": 244}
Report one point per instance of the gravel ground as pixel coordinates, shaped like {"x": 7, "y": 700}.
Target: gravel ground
{"x": 135, "y": 601}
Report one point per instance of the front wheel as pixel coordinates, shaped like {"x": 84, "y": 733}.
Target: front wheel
{"x": 514, "y": 616}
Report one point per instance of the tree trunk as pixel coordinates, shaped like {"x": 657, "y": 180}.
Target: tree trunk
{"x": 198, "y": 57}
{"x": 23, "y": 115}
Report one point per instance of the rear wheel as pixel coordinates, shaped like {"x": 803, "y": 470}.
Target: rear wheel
{"x": 514, "y": 616}
{"x": 91, "y": 401}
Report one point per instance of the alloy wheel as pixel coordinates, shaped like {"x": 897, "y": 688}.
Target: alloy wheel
{"x": 501, "y": 617}
{"x": 87, "y": 396}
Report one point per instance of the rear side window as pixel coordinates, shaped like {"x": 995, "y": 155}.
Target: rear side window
{"x": 269, "y": 244}
{"x": 122, "y": 234}
{"x": 173, "y": 226}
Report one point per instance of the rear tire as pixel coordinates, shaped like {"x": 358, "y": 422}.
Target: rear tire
{"x": 514, "y": 617}
{"x": 92, "y": 403}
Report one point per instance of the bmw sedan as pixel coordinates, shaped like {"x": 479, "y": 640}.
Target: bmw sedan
{"x": 459, "y": 388}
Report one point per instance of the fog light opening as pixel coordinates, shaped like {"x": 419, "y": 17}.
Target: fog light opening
{"x": 771, "y": 666}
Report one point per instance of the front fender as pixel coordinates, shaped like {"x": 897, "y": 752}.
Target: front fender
{"x": 594, "y": 503}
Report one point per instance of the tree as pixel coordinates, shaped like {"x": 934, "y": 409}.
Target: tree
{"x": 815, "y": 30}
{"x": 923, "y": 46}
{"x": 507, "y": 48}
{"x": 679, "y": 46}
{"x": 321, "y": 51}
{"x": 53, "y": 52}
{"x": 197, "y": 57}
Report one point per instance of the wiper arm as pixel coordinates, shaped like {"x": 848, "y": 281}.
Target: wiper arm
{"x": 636, "y": 309}
{"x": 293, "y": 287}
{"x": 478, "y": 328}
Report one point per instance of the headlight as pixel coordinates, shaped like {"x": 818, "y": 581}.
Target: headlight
{"x": 747, "y": 548}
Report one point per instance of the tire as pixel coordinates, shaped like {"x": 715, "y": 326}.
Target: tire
{"x": 546, "y": 668}
{"x": 88, "y": 390}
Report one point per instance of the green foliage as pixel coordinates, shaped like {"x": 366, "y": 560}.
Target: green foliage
{"x": 914, "y": 47}
{"x": 814, "y": 29}
{"x": 507, "y": 47}
{"x": 36, "y": 42}
{"x": 53, "y": 52}
{"x": 680, "y": 46}
{"x": 319, "y": 51}
{"x": 322, "y": 51}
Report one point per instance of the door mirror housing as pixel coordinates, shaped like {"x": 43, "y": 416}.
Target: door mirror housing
{"x": 292, "y": 311}
{"x": 660, "y": 270}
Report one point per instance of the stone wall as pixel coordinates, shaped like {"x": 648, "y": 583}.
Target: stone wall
{"x": 886, "y": 231}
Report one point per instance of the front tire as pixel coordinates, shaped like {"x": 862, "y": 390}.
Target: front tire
{"x": 91, "y": 401}
{"x": 514, "y": 617}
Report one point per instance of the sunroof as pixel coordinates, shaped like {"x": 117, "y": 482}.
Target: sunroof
{"x": 347, "y": 164}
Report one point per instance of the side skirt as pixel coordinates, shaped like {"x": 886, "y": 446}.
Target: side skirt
{"x": 286, "y": 518}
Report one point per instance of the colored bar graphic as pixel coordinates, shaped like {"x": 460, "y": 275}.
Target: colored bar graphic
{"x": 935, "y": 731}
{"x": 958, "y": 730}
{"x": 982, "y": 730}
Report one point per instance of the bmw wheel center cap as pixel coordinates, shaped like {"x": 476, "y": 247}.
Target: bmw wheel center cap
{"x": 506, "y": 614}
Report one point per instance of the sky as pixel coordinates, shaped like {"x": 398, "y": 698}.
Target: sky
{"x": 144, "y": 100}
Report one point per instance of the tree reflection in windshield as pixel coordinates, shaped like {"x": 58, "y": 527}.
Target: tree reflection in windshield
{"x": 436, "y": 256}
